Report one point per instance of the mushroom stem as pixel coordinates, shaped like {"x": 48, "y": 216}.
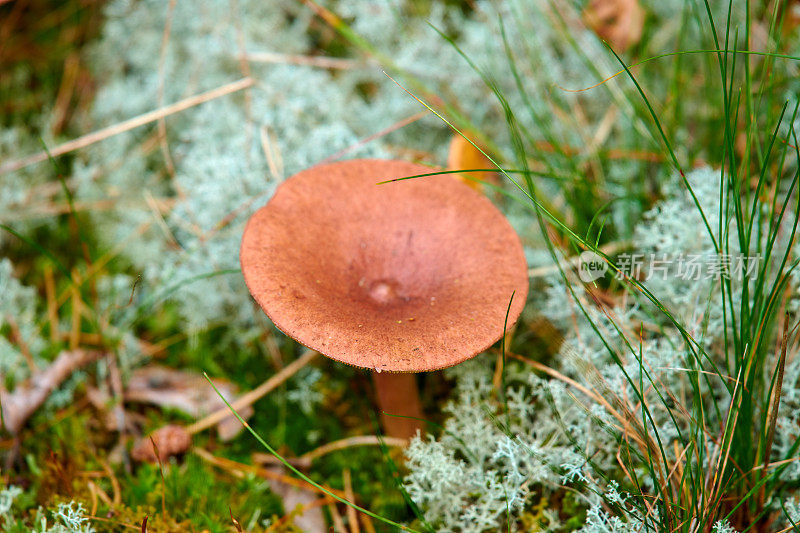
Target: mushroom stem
{"x": 398, "y": 395}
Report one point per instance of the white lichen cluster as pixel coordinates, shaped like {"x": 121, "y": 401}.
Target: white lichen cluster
{"x": 475, "y": 473}
{"x": 69, "y": 517}
{"x": 7, "y": 497}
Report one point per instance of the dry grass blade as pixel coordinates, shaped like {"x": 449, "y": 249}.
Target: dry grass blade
{"x": 297, "y": 514}
{"x": 52, "y": 307}
{"x": 352, "y": 517}
{"x": 251, "y": 397}
{"x": 241, "y": 469}
{"x": 17, "y": 338}
{"x": 305, "y": 460}
{"x": 273, "y": 155}
{"x": 127, "y": 125}
{"x": 310, "y": 61}
{"x": 336, "y": 518}
{"x": 366, "y": 521}
{"x": 65, "y": 91}
{"x": 159, "y": 205}
{"x": 629, "y": 424}
{"x": 162, "y": 124}
{"x": 163, "y": 481}
{"x": 773, "y": 409}
{"x": 721, "y": 455}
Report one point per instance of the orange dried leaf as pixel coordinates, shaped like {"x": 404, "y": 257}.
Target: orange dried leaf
{"x": 619, "y": 22}
{"x": 463, "y": 155}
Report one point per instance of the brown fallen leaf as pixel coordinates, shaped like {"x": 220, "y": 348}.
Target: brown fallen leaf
{"x": 169, "y": 441}
{"x": 463, "y": 156}
{"x": 186, "y": 391}
{"x": 300, "y": 504}
{"x": 619, "y": 22}
{"x": 26, "y": 398}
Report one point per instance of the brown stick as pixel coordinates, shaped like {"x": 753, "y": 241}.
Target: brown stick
{"x": 305, "y": 460}
{"x": 398, "y": 395}
{"x": 249, "y": 398}
{"x": 126, "y": 125}
{"x": 311, "y": 61}
{"x": 19, "y": 405}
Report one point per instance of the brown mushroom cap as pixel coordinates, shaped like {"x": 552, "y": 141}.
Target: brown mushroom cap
{"x": 408, "y": 276}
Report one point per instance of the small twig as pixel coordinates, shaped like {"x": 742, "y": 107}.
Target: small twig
{"x": 162, "y": 124}
{"x": 306, "y": 459}
{"x": 251, "y": 397}
{"x": 52, "y": 307}
{"x": 127, "y": 125}
{"x": 234, "y": 467}
{"x": 294, "y": 59}
{"x": 274, "y": 160}
{"x": 20, "y": 404}
{"x": 16, "y": 338}
{"x": 75, "y": 330}
{"x": 352, "y": 517}
{"x": 336, "y": 518}
{"x": 65, "y": 91}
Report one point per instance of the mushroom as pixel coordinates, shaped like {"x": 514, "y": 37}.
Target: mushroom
{"x": 400, "y": 277}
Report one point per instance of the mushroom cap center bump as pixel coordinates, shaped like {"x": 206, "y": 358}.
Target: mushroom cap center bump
{"x": 407, "y": 276}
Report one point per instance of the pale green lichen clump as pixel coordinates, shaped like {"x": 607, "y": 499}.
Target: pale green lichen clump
{"x": 66, "y": 518}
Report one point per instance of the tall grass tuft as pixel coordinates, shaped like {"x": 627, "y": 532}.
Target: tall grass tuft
{"x": 716, "y": 466}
